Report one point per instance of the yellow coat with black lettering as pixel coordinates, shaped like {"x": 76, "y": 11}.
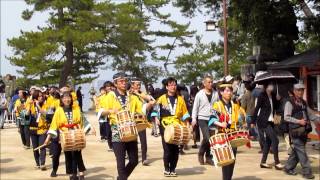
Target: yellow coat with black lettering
{"x": 110, "y": 102}
{"x": 181, "y": 108}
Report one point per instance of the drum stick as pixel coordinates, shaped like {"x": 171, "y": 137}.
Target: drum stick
{"x": 39, "y": 147}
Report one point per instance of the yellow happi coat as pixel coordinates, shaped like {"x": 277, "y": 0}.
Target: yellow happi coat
{"x": 59, "y": 120}
{"x": 181, "y": 113}
{"x": 42, "y": 126}
{"x": 111, "y": 101}
{"x": 236, "y": 112}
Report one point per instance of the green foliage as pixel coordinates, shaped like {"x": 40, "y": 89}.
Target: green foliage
{"x": 270, "y": 24}
{"x": 203, "y": 59}
{"x": 43, "y": 55}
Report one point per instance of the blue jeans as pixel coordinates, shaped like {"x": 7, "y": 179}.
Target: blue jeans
{"x": 2, "y": 111}
{"x": 299, "y": 154}
{"x": 37, "y": 140}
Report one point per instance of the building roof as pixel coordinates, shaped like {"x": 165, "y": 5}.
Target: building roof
{"x": 309, "y": 58}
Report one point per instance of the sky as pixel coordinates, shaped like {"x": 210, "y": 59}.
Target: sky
{"x": 12, "y": 24}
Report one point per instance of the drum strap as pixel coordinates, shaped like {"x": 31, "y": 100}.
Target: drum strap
{"x": 69, "y": 126}
{"x": 125, "y": 104}
{"x": 172, "y": 107}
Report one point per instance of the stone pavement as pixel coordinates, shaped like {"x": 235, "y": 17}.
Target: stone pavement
{"x": 17, "y": 163}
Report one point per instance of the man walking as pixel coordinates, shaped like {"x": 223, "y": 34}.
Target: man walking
{"x": 298, "y": 114}
{"x": 202, "y": 109}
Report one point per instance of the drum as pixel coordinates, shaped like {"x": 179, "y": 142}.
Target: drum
{"x": 238, "y": 138}
{"x": 177, "y": 134}
{"x": 141, "y": 121}
{"x": 126, "y": 126}
{"x": 72, "y": 140}
{"x": 221, "y": 150}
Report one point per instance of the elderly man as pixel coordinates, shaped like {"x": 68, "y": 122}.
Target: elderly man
{"x": 298, "y": 114}
{"x": 201, "y": 112}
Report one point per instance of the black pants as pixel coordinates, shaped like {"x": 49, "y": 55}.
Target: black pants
{"x": 109, "y": 134}
{"x": 299, "y": 154}
{"x": 37, "y": 140}
{"x": 103, "y": 130}
{"x": 143, "y": 142}
{"x": 120, "y": 149}
{"x": 262, "y": 138}
{"x": 74, "y": 162}
{"x": 196, "y": 134}
{"x": 205, "y": 145}
{"x": 227, "y": 171}
{"x": 56, "y": 152}
{"x": 170, "y": 154}
{"x": 271, "y": 141}
{"x": 25, "y": 135}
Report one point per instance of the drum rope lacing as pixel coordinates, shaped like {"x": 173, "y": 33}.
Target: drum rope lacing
{"x": 181, "y": 134}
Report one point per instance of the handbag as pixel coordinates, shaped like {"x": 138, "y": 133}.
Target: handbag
{"x": 277, "y": 119}
{"x": 296, "y": 130}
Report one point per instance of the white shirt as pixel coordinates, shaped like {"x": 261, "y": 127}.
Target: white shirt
{"x": 270, "y": 119}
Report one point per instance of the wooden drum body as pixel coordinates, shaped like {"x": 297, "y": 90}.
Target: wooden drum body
{"x": 72, "y": 140}
{"x": 238, "y": 138}
{"x": 141, "y": 121}
{"x": 221, "y": 150}
{"x": 177, "y": 134}
{"x": 126, "y": 126}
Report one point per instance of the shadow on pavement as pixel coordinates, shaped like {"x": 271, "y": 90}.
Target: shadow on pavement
{"x": 190, "y": 171}
{"x": 13, "y": 169}
{"x": 247, "y": 178}
{"x": 95, "y": 170}
{"x": 100, "y": 177}
{"x": 6, "y": 160}
{"x": 154, "y": 159}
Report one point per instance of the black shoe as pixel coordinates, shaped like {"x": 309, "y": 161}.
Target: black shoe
{"x": 81, "y": 177}
{"x": 73, "y": 177}
{"x": 145, "y": 162}
{"x": 53, "y": 174}
{"x": 194, "y": 146}
{"x": 290, "y": 172}
{"x": 265, "y": 165}
{"x": 308, "y": 176}
{"x": 200, "y": 159}
{"x": 182, "y": 152}
{"x": 210, "y": 162}
{"x": 43, "y": 168}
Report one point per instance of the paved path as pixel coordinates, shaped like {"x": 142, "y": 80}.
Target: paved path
{"x": 17, "y": 163}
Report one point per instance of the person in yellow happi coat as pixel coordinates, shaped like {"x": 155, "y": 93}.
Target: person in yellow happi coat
{"x": 66, "y": 117}
{"x": 173, "y": 106}
{"x": 22, "y": 120}
{"x": 228, "y": 115}
{"x": 104, "y": 123}
{"x": 115, "y": 102}
{"x": 35, "y": 111}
